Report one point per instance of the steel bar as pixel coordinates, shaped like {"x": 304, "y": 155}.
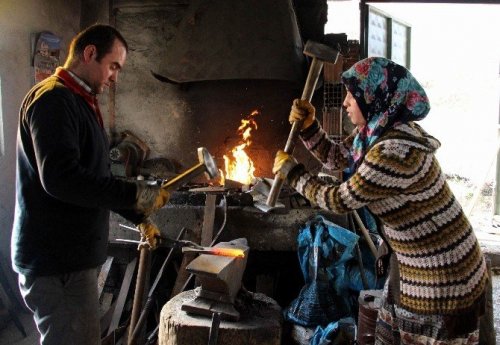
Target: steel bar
{"x": 214, "y": 329}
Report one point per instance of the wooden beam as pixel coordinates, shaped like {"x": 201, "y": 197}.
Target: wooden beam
{"x": 103, "y": 274}
{"x": 207, "y": 232}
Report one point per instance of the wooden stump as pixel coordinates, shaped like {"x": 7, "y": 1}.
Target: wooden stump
{"x": 260, "y": 324}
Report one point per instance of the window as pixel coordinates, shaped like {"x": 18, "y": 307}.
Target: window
{"x": 387, "y": 37}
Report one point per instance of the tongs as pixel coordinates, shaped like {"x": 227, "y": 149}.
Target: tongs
{"x": 162, "y": 241}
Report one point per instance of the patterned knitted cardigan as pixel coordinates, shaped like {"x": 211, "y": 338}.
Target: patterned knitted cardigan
{"x": 442, "y": 269}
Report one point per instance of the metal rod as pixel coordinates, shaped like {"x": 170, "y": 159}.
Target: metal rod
{"x": 214, "y": 329}
{"x": 365, "y": 233}
{"x": 359, "y": 256}
{"x": 130, "y": 241}
{"x": 129, "y": 227}
{"x": 152, "y": 336}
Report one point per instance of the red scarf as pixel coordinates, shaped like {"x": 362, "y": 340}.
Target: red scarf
{"x": 73, "y": 85}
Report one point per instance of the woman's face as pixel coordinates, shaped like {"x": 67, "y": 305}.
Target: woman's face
{"x": 353, "y": 110}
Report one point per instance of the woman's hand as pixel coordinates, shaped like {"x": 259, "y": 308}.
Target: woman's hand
{"x": 283, "y": 163}
{"x": 304, "y": 111}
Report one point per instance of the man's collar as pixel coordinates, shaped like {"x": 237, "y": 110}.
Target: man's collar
{"x": 79, "y": 81}
{"x": 81, "y": 88}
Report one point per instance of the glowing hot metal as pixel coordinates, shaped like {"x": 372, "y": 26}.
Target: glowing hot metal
{"x": 231, "y": 252}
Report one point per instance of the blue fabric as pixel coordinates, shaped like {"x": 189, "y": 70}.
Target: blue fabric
{"x": 353, "y": 277}
{"x": 323, "y": 250}
{"x": 341, "y": 332}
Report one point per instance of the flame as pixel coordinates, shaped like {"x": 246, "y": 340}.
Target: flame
{"x": 237, "y": 253}
{"x": 239, "y": 167}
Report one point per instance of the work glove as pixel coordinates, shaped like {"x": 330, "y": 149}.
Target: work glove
{"x": 283, "y": 163}
{"x": 302, "y": 110}
{"x": 150, "y": 197}
{"x": 150, "y": 234}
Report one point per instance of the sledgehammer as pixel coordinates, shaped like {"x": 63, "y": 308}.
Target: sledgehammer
{"x": 319, "y": 53}
{"x": 206, "y": 165}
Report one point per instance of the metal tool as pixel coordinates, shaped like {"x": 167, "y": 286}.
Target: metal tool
{"x": 206, "y": 165}
{"x": 366, "y": 234}
{"x": 221, "y": 280}
{"x": 149, "y": 301}
{"x": 213, "y": 335}
{"x": 162, "y": 241}
{"x": 215, "y": 239}
{"x": 319, "y": 53}
{"x": 237, "y": 253}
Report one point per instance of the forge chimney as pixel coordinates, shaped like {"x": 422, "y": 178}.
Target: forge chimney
{"x": 242, "y": 40}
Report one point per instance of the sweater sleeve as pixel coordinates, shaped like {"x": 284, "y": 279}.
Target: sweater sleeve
{"x": 388, "y": 170}
{"x": 331, "y": 152}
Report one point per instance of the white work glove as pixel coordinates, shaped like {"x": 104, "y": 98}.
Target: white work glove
{"x": 150, "y": 198}
{"x": 283, "y": 163}
{"x": 302, "y": 110}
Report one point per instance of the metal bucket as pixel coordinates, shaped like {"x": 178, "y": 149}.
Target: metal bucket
{"x": 369, "y": 304}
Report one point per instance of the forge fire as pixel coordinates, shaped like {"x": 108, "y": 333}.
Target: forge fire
{"x": 238, "y": 165}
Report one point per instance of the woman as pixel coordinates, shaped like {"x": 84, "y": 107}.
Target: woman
{"x": 435, "y": 291}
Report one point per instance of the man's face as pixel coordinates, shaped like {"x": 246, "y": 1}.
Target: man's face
{"x": 105, "y": 72}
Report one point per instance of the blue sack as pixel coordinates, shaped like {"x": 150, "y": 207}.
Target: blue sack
{"x": 342, "y": 332}
{"x": 323, "y": 250}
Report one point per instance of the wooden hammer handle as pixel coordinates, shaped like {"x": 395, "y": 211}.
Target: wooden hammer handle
{"x": 307, "y": 93}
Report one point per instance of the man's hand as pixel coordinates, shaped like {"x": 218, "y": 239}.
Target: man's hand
{"x": 283, "y": 163}
{"x": 149, "y": 234}
{"x": 150, "y": 198}
{"x": 304, "y": 111}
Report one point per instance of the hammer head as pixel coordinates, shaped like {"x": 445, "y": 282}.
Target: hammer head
{"x": 320, "y": 51}
{"x": 208, "y": 161}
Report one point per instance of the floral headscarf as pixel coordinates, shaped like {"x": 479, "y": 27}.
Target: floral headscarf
{"x": 387, "y": 94}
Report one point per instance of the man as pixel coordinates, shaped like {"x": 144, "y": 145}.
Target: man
{"x": 64, "y": 190}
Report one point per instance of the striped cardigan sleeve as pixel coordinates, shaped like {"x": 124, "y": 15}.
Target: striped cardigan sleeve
{"x": 388, "y": 170}
{"x": 330, "y": 151}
